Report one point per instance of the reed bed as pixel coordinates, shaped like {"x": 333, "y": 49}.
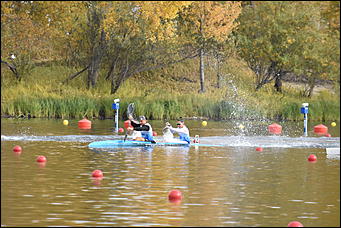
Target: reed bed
{"x": 43, "y": 95}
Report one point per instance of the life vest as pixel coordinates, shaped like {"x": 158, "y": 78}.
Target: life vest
{"x": 148, "y": 135}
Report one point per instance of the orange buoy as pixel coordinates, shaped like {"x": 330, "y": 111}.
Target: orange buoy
{"x": 17, "y": 148}
{"x": 174, "y": 195}
{"x": 275, "y": 129}
{"x": 84, "y": 124}
{"x": 320, "y": 129}
{"x": 127, "y": 124}
{"x": 120, "y": 130}
{"x": 259, "y": 149}
{"x": 154, "y": 133}
{"x": 312, "y": 158}
{"x": 295, "y": 224}
{"x": 97, "y": 173}
{"x": 41, "y": 158}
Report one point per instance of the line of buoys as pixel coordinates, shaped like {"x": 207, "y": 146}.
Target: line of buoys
{"x": 84, "y": 124}
{"x": 275, "y": 129}
{"x": 295, "y": 224}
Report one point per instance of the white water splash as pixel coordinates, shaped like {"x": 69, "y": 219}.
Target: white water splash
{"x": 228, "y": 141}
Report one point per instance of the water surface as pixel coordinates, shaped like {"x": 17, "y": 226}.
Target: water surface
{"x": 233, "y": 185}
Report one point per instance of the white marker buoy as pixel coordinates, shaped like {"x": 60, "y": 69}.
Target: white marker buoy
{"x": 304, "y": 110}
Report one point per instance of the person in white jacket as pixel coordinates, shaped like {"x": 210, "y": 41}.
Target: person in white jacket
{"x": 181, "y": 129}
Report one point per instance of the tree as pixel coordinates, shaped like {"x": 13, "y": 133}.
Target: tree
{"x": 277, "y": 37}
{"x": 206, "y": 24}
{"x": 85, "y": 40}
{"x": 141, "y": 37}
{"x": 24, "y": 36}
{"x": 35, "y": 32}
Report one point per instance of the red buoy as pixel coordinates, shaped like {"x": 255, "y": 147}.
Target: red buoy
{"x": 174, "y": 195}
{"x": 259, "y": 149}
{"x": 97, "y": 173}
{"x": 41, "y": 158}
{"x": 295, "y": 224}
{"x": 154, "y": 133}
{"x": 127, "y": 124}
{"x": 120, "y": 130}
{"x": 320, "y": 129}
{"x": 84, "y": 124}
{"x": 275, "y": 129}
{"x": 328, "y": 135}
{"x": 17, "y": 148}
{"x": 312, "y": 158}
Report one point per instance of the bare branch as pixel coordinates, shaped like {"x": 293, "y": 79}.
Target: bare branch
{"x": 75, "y": 75}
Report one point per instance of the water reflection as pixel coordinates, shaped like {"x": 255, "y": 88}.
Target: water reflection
{"x": 221, "y": 186}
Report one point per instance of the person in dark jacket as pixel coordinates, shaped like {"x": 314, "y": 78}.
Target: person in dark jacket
{"x": 142, "y": 126}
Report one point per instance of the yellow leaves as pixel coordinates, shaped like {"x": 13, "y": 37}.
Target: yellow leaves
{"x": 213, "y": 19}
{"x": 153, "y": 19}
{"x": 155, "y": 10}
{"x": 220, "y": 19}
{"x": 290, "y": 41}
{"x": 158, "y": 16}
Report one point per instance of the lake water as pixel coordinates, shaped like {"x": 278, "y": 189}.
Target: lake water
{"x": 233, "y": 185}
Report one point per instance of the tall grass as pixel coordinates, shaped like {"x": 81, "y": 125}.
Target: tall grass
{"x": 42, "y": 95}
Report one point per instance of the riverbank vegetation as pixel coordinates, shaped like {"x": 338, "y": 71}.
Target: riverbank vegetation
{"x": 77, "y": 67}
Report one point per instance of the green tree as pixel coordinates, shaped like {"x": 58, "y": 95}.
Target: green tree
{"x": 24, "y": 36}
{"x": 278, "y": 37}
{"x": 205, "y": 25}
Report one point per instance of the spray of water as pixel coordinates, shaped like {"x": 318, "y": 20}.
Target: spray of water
{"x": 248, "y": 122}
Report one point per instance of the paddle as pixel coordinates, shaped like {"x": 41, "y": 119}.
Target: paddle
{"x": 130, "y": 111}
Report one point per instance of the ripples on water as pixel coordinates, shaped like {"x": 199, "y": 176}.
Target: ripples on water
{"x": 232, "y": 185}
{"x": 229, "y": 141}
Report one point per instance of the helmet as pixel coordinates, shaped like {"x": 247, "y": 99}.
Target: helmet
{"x": 142, "y": 118}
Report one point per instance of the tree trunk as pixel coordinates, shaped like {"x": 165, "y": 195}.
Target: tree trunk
{"x": 266, "y": 76}
{"x": 74, "y": 75}
{"x": 13, "y": 69}
{"x": 278, "y": 82}
{"x": 96, "y": 58}
{"x": 116, "y": 81}
{"x": 202, "y": 72}
{"x": 115, "y": 84}
{"x": 311, "y": 87}
{"x": 93, "y": 72}
{"x": 218, "y": 74}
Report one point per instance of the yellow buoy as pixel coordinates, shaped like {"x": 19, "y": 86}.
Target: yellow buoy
{"x": 204, "y": 123}
{"x": 333, "y": 124}
{"x": 65, "y": 122}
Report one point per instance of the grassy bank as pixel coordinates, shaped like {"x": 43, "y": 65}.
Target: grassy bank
{"x": 172, "y": 92}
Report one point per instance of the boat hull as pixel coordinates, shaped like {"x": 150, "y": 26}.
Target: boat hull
{"x": 132, "y": 143}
